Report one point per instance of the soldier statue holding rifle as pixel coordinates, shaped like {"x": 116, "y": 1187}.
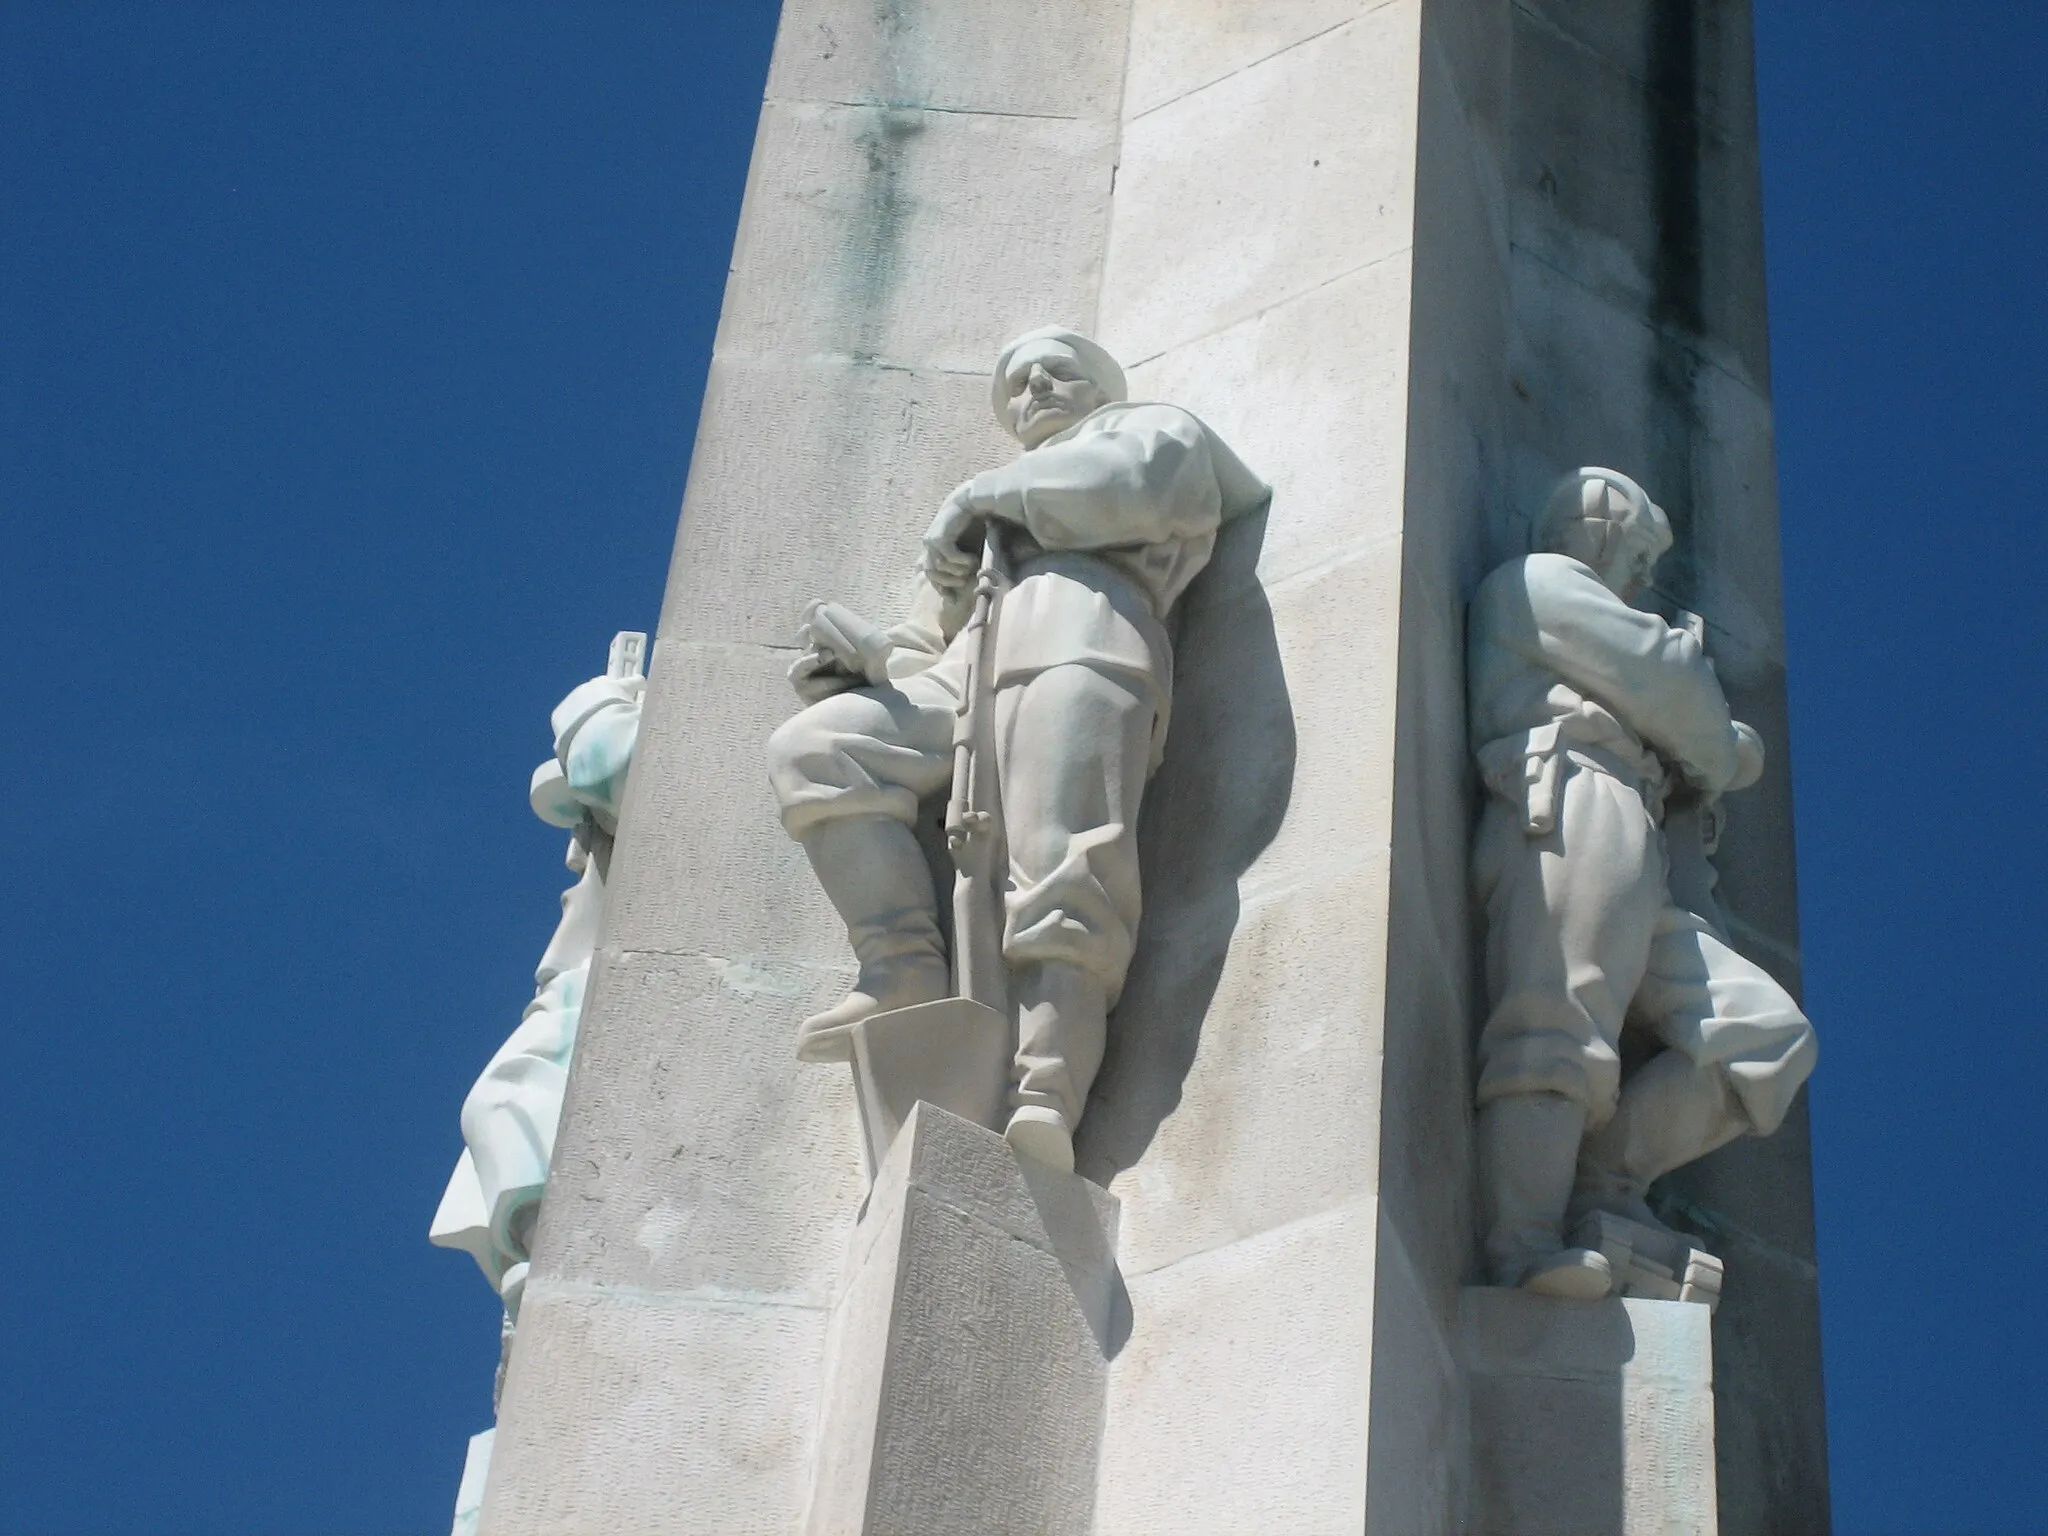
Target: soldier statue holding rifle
{"x": 1032, "y": 680}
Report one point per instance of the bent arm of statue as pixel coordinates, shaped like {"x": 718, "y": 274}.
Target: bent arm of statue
{"x": 1144, "y": 477}
{"x": 1655, "y": 677}
{"x": 843, "y": 650}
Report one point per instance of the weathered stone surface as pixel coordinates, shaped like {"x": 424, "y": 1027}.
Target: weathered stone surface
{"x": 891, "y": 233}
{"x": 1286, "y": 174}
{"x": 1240, "y": 1402}
{"x": 1410, "y": 340}
{"x": 903, "y": 216}
{"x": 1589, "y": 1419}
{"x": 1178, "y": 46}
{"x": 970, "y": 1344}
{"x": 1288, "y": 388}
{"x": 1062, "y": 58}
{"x": 1672, "y": 380}
{"x": 608, "y": 1423}
{"x": 1656, "y": 45}
{"x": 869, "y": 451}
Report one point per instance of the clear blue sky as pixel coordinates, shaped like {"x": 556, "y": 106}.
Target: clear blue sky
{"x": 351, "y": 361}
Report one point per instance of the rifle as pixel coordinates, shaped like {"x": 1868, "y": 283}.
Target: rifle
{"x": 955, "y": 1053}
{"x": 974, "y": 817}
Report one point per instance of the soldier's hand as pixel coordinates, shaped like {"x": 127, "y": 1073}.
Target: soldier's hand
{"x": 830, "y": 630}
{"x": 947, "y": 564}
{"x": 818, "y": 674}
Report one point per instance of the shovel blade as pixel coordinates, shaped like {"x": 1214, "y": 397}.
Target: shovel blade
{"x": 954, "y": 1054}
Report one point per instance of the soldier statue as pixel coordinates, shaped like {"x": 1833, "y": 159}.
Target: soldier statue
{"x": 1586, "y": 714}
{"x": 1096, "y": 529}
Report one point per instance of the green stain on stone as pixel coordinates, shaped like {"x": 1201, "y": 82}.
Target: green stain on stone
{"x": 875, "y": 235}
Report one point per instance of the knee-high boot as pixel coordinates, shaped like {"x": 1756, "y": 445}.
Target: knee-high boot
{"x": 1062, "y": 1020}
{"x": 874, "y": 874}
{"x": 1528, "y": 1152}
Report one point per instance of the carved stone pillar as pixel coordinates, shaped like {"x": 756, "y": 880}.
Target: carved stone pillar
{"x": 970, "y": 1344}
{"x": 1412, "y": 259}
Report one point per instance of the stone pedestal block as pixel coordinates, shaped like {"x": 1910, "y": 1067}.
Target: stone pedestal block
{"x": 969, "y": 1355}
{"x": 1589, "y": 1419}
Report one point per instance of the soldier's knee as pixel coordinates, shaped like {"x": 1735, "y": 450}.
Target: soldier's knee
{"x": 1766, "y": 1078}
{"x": 1546, "y": 1061}
{"x": 790, "y": 743}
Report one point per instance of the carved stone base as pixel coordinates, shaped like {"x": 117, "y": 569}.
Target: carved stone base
{"x": 954, "y": 1053}
{"x": 1652, "y": 1264}
{"x": 1589, "y": 1418}
{"x": 969, "y": 1353}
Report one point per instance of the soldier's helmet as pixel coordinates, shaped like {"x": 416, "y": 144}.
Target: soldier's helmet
{"x": 1610, "y": 501}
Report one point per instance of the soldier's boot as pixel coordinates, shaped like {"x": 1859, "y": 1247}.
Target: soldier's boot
{"x": 875, "y": 876}
{"x": 1528, "y": 1153}
{"x": 1062, "y": 1020}
{"x": 1671, "y": 1112}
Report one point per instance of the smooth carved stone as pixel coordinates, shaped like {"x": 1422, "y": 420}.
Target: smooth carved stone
{"x": 469, "y": 1497}
{"x": 1652, "y": 1263}
{"x": 1591, "y": 716}
{"x": 510, "y": 1116}
{"x": 952, "y": 1054}
{"x": 1588, "y": 1420}
{"x": 968, "y": 1363}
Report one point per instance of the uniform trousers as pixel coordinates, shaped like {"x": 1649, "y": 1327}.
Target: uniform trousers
{"x": 1073, "y": 750}
{"x": 1584, "y": 938}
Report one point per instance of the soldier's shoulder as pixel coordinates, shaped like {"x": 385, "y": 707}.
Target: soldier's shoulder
{"x": 1157, "y": 415}
{"x": 1544, "y": 575}
{"x": 1525, "y": 589}
{"x": 1510, "y": 576}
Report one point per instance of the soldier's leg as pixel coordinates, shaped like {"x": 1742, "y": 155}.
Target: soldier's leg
{"x": 510, "y": 1115}
{"x": 1074, "y": 744}
{"x": 1569, "y": 921}
{"x": 1738, "y": 1049}
{"x": 849, "y": 772}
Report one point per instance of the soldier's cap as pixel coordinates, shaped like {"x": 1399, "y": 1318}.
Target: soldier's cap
{"x": 1104, "y": 371}
{"x": 1581, "y": 496}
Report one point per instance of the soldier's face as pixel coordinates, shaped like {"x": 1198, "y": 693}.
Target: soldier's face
{"x": 1046, "y": 392}
{"x": 1630, "y": 566}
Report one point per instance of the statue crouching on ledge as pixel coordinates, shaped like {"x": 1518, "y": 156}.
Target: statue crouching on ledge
{"x": 1096, "y": 529}
{"x": 1585, "y": 713}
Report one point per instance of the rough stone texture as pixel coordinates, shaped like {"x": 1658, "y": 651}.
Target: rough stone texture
{"x": 1589, "y": 1420}
{"x": 964, "y": 1390}
{"x": 1412, "y": 259}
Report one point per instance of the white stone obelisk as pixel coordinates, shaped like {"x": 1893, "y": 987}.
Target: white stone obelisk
{"x": 1412, "y": 259}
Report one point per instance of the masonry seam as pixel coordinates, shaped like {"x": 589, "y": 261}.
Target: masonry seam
{"x": 1264, "y": 58}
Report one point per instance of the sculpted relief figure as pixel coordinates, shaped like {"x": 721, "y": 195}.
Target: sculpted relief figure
{"x": 510, "y": 1115}
{"x": 1041, "y": 613}
{"x": 1586, "y": 713}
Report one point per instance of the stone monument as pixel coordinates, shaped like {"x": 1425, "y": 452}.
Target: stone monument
{"x": 1415, "y": 260}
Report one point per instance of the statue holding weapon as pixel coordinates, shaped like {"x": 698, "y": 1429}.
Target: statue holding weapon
{"x": 1032, "y": 679}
